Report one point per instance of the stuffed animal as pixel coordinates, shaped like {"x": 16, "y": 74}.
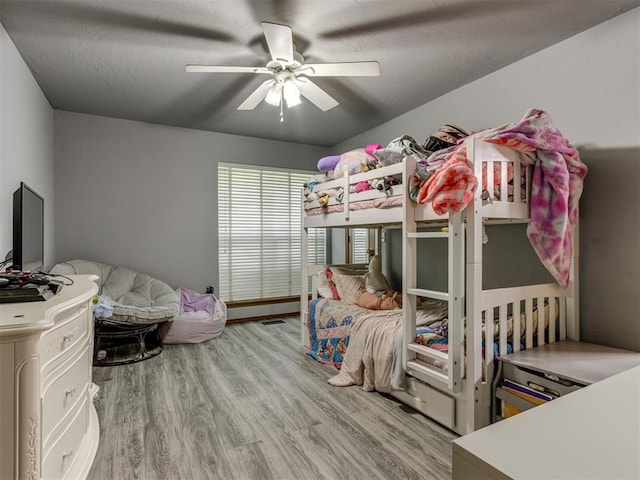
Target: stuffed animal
{"x": 386, "y": 183}
{"x": 361, "y": 187}
{"x": 376, "y": 182}
{"x": 374, "y": 279}
{"x": 323, "y": 199}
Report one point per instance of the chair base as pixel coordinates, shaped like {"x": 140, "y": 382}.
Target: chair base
{"x": 118, "y": 343}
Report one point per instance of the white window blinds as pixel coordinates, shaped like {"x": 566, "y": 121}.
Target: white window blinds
{"x": 259, "y": 215}
{"x": 359, "y": 245}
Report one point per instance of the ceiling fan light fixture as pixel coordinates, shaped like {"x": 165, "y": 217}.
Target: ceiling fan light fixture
{"x": 291, "y": 93}
{"x": 274, "y": 95}
{"x": 290, "y": 73}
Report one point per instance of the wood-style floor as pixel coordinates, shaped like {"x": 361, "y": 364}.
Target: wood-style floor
{"x": 250, "y": 405}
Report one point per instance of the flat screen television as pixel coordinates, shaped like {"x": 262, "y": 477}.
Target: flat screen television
{"x": 28, "y": 230}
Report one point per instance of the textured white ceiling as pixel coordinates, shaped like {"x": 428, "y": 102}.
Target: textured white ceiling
{"x": 126, "y": 59}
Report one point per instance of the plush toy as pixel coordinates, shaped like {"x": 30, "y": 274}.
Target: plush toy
{"x": 323, "y": 199}
{"x": 374, "y": 279}
{"x": 361, "y": 187}
{"x": 376, "y": 182}
{"x": 386, "y": 183}
{"x": 353, "y": 161}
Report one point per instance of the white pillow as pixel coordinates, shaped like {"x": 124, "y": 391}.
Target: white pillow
{"x": 350, "y": 287}
{"x": 322, "y": 284}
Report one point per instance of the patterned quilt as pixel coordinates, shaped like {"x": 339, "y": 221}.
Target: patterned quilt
{"x": 330, "y": 324}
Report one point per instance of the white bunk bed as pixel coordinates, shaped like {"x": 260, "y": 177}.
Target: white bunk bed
{"x": 459, "y": 395}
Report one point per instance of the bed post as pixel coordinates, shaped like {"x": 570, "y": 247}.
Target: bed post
{"x": 474, "y": 391}
{"x": 573, "y": 302}
{"x": 304, "y": 268}
{"x": 456, "y": 267}
{"x": 409, "y": 265}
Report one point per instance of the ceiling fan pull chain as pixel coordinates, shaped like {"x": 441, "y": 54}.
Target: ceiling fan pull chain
{"x": 281, "y": 112}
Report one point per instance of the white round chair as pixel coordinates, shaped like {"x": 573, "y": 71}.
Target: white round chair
{"x": 140, "y": 303}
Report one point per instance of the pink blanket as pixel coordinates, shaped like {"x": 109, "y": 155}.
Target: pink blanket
{"x": 557, "y": 185}
{"x": 451, "y": 187}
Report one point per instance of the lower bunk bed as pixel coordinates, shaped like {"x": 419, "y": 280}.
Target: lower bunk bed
{"x": 366, "y": 347}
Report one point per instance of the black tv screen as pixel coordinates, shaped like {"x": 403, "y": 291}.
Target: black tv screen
{"x": 28, "y": 230}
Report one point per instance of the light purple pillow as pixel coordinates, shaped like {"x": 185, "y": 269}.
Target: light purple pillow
{"x": 326, "y": 164}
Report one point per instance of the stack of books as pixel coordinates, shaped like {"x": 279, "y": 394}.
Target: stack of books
{"x": 534, "y": 394}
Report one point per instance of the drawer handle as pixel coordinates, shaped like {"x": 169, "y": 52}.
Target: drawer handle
{"x": 70, "y": 393}
{"x": 68, "y": 337}
{"x": 67, "y": 455}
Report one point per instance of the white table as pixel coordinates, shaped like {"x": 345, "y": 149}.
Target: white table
{"x": 593, "y": 433}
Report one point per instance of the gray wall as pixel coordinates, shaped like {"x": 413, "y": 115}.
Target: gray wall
{"x": 589, "y": 85}
{"x": 26, "y": 143}
{"x": 610, "y": 247}
{"x": 509, "y": 260}
{"x": 145, "y": 196}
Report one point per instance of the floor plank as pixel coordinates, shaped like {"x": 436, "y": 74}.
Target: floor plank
{"x": 250, "y": 405}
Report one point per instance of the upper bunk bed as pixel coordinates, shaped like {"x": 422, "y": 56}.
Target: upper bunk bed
{"x": 512, "y": 172}
{"x": 523, "y": 172}
{"x": 339, "y": 203}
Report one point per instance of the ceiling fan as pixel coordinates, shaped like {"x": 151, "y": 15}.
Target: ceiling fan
{"x": 290, "y": 73}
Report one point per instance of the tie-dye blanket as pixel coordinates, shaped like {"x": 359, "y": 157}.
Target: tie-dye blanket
{"x": 558, "y": 176}
{"x": 557, "y": 185}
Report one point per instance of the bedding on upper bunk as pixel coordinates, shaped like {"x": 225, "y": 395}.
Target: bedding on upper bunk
{"x": 380, "y": 202}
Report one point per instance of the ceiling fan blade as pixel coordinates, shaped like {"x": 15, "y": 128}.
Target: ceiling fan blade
{"x": 346, "y": 69}
{"x": 315, "y": 94}
{"x": 257, "y": 96}
{"x": 280, "y": 42}
{"x": 227, "y": 69}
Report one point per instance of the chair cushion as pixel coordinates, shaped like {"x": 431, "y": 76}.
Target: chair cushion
{"x": 136, "y": 297}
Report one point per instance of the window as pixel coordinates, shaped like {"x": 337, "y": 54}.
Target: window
{"x": 359, "y": 239}
{"x": 259, "y": 212}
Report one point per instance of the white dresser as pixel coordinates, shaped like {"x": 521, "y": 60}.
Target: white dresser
{"x": 48, "y": 423}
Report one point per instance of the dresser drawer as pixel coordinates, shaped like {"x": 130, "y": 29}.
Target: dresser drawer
{"x": 70, "y": 329}
{"x": 63, "y": 388}
{"x": 63, "y": 453}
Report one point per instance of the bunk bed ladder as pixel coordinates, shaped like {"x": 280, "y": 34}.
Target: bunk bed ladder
{"x": 454, "y": 233}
